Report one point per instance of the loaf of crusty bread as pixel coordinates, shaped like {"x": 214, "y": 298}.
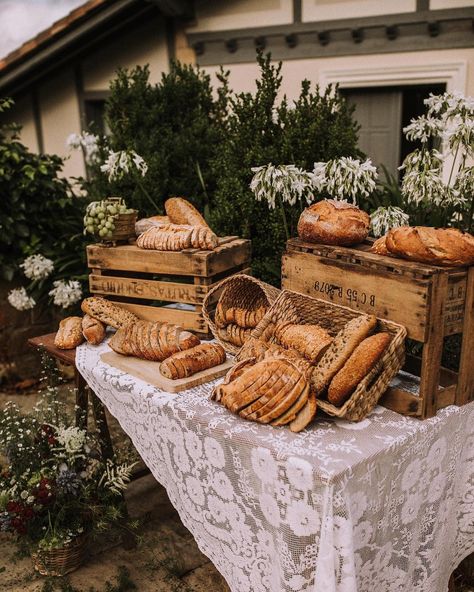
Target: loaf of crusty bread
{"x": 361, "y": 362}
{"x": 69, "y": 334}
{"x": 175, "y": 237}
{"x": 437, "y": 246}
{"x": 107, "y": 312}
{"x": 234, "y": 334}
{"x": 380, "y": 246}
{"x": 340, "y": 350}
{"x": 181, "y": 211}
{"x": 311, "y": 341}
{"x": 152, "y": 340}
{"x": 93, "y": 330}
{"x": 188, "y": 362}
{"x": 245, "y": 318}
{"x": 332, "y": 222}
{"x": 146, "y": 223}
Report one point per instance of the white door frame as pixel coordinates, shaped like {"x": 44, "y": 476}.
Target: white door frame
{"x": 453, "y": 74}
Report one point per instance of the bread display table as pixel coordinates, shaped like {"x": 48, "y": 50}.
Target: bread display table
{"x": 384, "y": 504}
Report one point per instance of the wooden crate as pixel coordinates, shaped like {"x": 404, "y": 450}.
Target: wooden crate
{"x": 146, "y": 282}
{"x": 430, "y": 301}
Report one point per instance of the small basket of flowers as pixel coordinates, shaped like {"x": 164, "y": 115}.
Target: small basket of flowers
{"x": 55, "y": 489}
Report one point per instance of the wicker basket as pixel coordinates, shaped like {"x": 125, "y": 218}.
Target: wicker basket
{"x": 238, "y": 290}
{"x": 297, "y": 308}
{"x": 59, "y": 562}
{"x": 124, "y": 225}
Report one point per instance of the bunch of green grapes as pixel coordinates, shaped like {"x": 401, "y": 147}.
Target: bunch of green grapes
{"x": 101, "y": 216}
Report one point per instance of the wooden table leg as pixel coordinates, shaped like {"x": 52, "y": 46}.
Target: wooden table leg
{"x": 82, "y": 400}
{"x": 101, "y": 422}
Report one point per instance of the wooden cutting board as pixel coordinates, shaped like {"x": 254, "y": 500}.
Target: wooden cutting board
{"x": 150, "y": 372}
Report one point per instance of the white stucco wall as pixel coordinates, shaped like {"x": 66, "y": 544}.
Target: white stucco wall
{"x": 22, "y": 113}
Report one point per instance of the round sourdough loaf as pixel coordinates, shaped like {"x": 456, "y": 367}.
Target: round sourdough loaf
{"x": 438, "y": 246}
{"x": 332, "y": 222}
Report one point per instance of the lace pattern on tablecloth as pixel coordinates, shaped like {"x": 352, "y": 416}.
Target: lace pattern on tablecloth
{"x": 386, "y": 504}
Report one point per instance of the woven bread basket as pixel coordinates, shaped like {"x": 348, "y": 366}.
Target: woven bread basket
{"x": 61, "y": 561}
{"x": 297, "y": 308}
{"x": 239, "y": 290}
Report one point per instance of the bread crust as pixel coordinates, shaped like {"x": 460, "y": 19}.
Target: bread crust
{"x": 305, "y": 416}
{"x": 69, "y": 334}
{"x": 340, "y": 350}
{"x": 93, "y": 330}
{"x": 174, "y": 237}
{"x": 332, "y": 222}
{"x": 181, "y": 211}
{"x": 188, "y": 362}
{"x": 435, "y": 246}
{"x": 380, "y": 247}
{"x": 107, "y": 312}
{"x": 361, "y": 362}
{"x": 311, "y": 341}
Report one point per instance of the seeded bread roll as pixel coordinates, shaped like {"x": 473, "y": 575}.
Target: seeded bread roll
{"x": 332, "y": 222}
{"x": 181, "y": 211}
{"x": 93, "y": 330}
{"x": 107, "y": 312}
{"x": 361, "y": 362}
{"x": 437, "y": 246}
{"x": 311, "y": 341}
{"x": 69, "y": 334}
{"x": 198, "y": 358}
{"x": 340, "y": 350}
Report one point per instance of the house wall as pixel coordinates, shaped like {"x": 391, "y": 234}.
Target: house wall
{"x": 22, "y": 113}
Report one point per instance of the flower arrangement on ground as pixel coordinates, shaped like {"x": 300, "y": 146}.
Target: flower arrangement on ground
{"x": 55, "y": 486}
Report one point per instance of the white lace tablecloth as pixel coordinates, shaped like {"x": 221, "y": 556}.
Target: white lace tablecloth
{"x": 383, "y": 505}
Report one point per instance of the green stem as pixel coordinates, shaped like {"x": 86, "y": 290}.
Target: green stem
{"x": 146, "y": 194}
{"x": 452, "y": 167}
{"x": 283, "y": 215}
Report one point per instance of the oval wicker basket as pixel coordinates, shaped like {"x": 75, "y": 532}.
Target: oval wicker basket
{"x": 239, "y": 290}
{"x": 61, "y": 561}
{"x": 301, "y": 309}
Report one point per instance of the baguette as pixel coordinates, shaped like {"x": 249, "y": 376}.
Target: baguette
{"x": 174, "y": 237}
{"x": 361, "y": 362}
{"x": 340, "y": 350}
{"x": 181, "y": 211}
{"x": 311, "y": 341}
{"x": 93, "y": 330}
{"x": 193, "y": 360}
{"x": 153, "y": 341}
{"x": 107, "y": 312}
{"x": 69, "y": 334}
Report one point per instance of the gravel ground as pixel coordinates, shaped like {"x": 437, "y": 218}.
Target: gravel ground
{"x": 166, "y": 558}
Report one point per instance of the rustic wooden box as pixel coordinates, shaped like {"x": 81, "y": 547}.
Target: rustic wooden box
{"x": 145, "y": 281}
{"x": 430, "y": 301}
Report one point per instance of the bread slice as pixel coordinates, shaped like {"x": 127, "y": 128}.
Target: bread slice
{"x": 291, "y": 413}
{"x": 340, "y": 350}
{"x": 107, "y": 312}
{"x": 305, "y": 416}
{"x": 361, "y": 362}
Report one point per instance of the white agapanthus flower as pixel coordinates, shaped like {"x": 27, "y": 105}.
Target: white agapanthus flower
{"x": 423, "y": 128}
{"x": 123, "y": 162}
{"x": 66, "y": 292}
{"x": 86, "y": 142}
{"x": 288, "y": 182}
{"x": 72, "y": 439}
{"x": 345, "y": 178}
{"x": 383, "y": 219}
{"x": 19, "y": 299}
{"x": 422, "y": 180}
{"x": 37, "y": 267}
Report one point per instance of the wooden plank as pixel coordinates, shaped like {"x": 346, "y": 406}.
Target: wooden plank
{"x": 399, "y": 299}
{"x": 401, "y": 401}
{"x": 147, "y": 289}
{"x": 190, "y": 262}
{"x": 465, "y": 390}
{"x": 446, "y": 396}
{"x": 150, "y": 372}
{"x": 188, "y": 319}
{"x": 455, "y": 303}
{"x": 46, "y": 342}
{"x": 433, "y": 347}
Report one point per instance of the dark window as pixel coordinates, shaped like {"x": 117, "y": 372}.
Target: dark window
{"x": 95, "y": 115}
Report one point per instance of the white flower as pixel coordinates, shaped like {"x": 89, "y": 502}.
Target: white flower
{"x": 383, "y": 219}
{"x": 71, "y": 438}
{"x": 422, "y": 181}
{"x": 87, "y": 142}
{"x": 288, "y": 182}
{"x": 66, "y": 292}
{"x": 422, "y": 128}
{"x": 37, "y": 267}
{"x": 121, "y": 163}
{"x": 19, "y": 299}
{"x": 345, "y": 178}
